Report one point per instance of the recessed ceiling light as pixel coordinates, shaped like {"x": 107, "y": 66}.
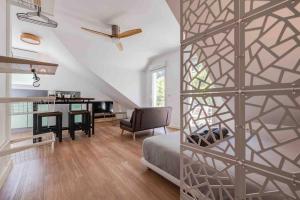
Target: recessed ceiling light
{"x": 30, "y": 38}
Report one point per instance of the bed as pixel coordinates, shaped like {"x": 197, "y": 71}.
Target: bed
{"x": 162, "y": 154}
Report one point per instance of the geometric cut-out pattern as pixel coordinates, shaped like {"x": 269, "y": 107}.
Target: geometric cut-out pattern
{"x": 273, "y": 130}
{"x": 272, "y": 47}
{"x": 209, "y": 63}
{"x": 202, "y": 15}
{"x": 262, "y": 186}
{"x": 252, "y": 6}
{"x": 203, "y": 180}
{"x": 203, "y": 114}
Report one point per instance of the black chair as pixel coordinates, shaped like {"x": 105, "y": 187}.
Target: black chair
{"x": 84, "y": 125}
{"x": 38, "y": 127}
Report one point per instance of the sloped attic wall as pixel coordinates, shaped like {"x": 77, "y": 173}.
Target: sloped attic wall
{"x": 93, "y": 54}
{"x": 123, "y": 70}
{"x": 71, "y": 75}
{"x": 175, "y": 8}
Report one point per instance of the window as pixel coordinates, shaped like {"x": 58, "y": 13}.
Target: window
{"x": 22, "y": 115}
{"x": 158, "y": 88}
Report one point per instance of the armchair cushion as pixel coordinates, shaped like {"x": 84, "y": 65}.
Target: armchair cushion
{"x": 126, "y": 122}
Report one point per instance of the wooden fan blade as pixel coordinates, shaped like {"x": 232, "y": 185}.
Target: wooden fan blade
{"x": 96, "y": 32}
{"x": 129, "y": 33}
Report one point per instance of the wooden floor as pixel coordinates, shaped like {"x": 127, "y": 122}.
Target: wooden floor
{"x": 105, "y": 167}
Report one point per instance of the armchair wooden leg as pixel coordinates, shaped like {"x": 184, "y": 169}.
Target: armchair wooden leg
{"x": 152, "y": 131}
{"x": 133, "y": 136}
{"x": 165, "y": 130}
{"x": 122, "y": 133}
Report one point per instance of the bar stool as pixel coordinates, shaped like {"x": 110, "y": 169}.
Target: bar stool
{"x": 85, "y": 125}
{"x": 38, "y": 127}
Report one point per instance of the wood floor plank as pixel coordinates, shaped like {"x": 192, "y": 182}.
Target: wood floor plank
{"x": 106, "y": 166}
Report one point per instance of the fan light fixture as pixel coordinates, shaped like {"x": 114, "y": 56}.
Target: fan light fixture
{"x": 116, "y": 35}
{"x": 30, "y": 38}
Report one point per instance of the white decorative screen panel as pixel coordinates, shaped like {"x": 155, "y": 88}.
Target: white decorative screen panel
{"x": 209, "y": 63}
{"x": 206, "y": 114}
{"x": 199, "y": 16}
{"x": 263, "y": 186}
{"x": 272, "y": 47}
{"x": 272, "y": 122}
{"x": 206, "y": 177}
{"x": 240, "y": 73}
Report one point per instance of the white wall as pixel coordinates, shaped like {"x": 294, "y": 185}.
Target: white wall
{"x": 171, "y": 61}
{"x": 65, "y": 80}
{"x": 3, "y": 91}
{"x": 2, "y": 76}
{"x": 126, "y": 80}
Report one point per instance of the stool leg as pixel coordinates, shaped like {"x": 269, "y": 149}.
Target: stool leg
{"x": 35, "y": 126}
{"x": 69, "y": 124}
{"x": 59, "y": 127}
{"x": 84, "y": 124}
{"x": 89, "y": 124}
{"x": 40, "y": 125}
{"x": 83, "y": 120}
{"x": 71, "y": 127}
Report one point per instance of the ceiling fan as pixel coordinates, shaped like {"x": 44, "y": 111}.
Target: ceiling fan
{"x": 116, "y": 35}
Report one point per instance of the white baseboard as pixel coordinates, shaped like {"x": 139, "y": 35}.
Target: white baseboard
{"x": 4, "y": 174}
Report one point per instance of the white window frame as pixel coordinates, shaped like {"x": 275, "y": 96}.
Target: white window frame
{"x": 153, "y": 86}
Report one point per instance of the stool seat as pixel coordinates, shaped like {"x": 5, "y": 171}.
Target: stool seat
{"x": 79, "y": 112}
{"x": 49, "y": 114}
